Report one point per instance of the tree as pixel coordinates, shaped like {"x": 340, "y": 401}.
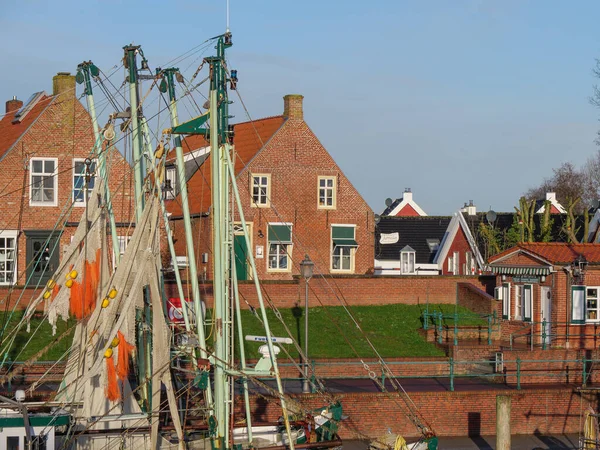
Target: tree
{"x": 570, "y": 185}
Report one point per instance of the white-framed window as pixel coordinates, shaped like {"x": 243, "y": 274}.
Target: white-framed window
{"x": 407, "y": 260}
{"x": 327, "y": 193}
{"x": 43, "y": 182}
{"x": 261, "y": 190}
{"x": 8, "y": 257}
{"x": 280, "y": 247}
{"x": 79, "y": 180}
{"x": 456, "y": 263}
{"x": 506, "y": 300}
{"x": 343, "y": 249}
{"x": 123, "y": 243}
{"x": 523, "y": 302}
{"x": 170, "y": 184}
{"x": 469, "y": 264}
{"x": 592, "y": 304}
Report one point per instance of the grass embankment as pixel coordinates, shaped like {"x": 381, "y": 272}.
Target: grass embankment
{"x": 392, "y": 329}
{"x": 25, "y": 345}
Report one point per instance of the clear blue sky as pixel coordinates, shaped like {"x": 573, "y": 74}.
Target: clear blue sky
{"x": 459, "y": 100}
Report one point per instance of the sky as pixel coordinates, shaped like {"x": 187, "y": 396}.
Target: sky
{"x": 458, "y": 100}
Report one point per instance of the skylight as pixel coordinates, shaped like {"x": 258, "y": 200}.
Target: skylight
{"x": 28, "y": 106}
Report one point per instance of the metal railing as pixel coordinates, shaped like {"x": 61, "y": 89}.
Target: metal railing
{"x": 547, "y": 335}
{"x": 439, "y": 318}
{"x": 582, "y": 367}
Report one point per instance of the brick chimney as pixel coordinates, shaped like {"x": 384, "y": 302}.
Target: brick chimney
{"x": 13, "y": 105}
{"x": 292, "y": 106}
{"x": 63, "y": 83}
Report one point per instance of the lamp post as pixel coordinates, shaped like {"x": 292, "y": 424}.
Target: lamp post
{"x": 306, "y": 270}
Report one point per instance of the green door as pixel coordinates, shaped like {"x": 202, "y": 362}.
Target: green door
{"x": 241, "y": 251}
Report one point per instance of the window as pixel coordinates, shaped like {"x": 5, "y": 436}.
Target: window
{"x": 455, "y": 264}
{"x": 261, "y": 191}
{"x": 8, "y": 257}
{"x": 591, "y": 305}
{"x": 43, "y": 181}
{"x": 42, "y": 255}
{"x": 169, "y": 188}
{"x": 469, "y": 264}
{"x": 327, "y": 194}
{"x": 506, "y": 300}
{"x": 343, "y": 248}
{"x": 79, "y": 181}
{"x": 407, "y": 260}
{"x": 523, "y": 302}
{"x": 280, "y": 247}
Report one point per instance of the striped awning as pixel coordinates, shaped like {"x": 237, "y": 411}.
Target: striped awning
{"x": 520, "y": 270}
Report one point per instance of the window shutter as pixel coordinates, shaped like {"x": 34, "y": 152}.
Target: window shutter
{"x": 527, "y": 302}
{"x": 577, "y": 304}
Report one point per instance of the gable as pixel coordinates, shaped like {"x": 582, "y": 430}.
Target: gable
{"x": 519, "y": 258}
{"x": 407, "y": 211}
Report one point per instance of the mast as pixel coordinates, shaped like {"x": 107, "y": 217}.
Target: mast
{"x": 130, "y": 63}
{"x": 87, "y": 70}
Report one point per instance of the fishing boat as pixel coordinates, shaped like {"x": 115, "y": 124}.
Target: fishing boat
{"x": 128, "y": 367}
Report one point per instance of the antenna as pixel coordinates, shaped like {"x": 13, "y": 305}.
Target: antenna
{"x": 227, "y": 1}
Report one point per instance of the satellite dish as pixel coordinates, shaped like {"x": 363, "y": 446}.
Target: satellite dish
{"x": 109, "y": 132}
{"x": 377, "y": 218}
{"x": 595, "y": 203}
{"x": 491, "y": 216}
{"x": 388, "y": 202}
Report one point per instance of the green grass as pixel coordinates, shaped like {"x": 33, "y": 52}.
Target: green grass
{"x": 393, "y": 330}
{"x": 26, "y": 345}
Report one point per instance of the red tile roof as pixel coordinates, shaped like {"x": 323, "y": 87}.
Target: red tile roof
{"x": 10, "y": 133}
{"x": 249, "y": 139}
{"x": 555, "y": 252}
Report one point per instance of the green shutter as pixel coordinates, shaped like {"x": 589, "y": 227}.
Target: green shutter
{"x": 280, "y": 233}
{"x": 578, "y": 304}
{"x": 343, "y": 236}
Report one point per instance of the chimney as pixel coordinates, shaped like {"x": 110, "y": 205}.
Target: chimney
{"x": 471, "y": 209}
{"x": 550, "y": 196}
{"x": 292, "y": 106}
{"x": 63, "y": 83}
{"x": 407, "y": 194}
{"x": 12, "y": 106}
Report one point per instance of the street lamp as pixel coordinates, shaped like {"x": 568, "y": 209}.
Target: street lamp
{"x": 306, "y": 270}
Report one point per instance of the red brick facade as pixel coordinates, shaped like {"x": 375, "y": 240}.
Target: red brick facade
{"x": 61, "y": 131}
{"x": 293, "y": 159}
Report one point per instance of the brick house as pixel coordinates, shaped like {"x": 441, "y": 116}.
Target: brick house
{"x": 296, "y": 199}
{"x": 43, "y": 146}
{"x": 552, "y": 290}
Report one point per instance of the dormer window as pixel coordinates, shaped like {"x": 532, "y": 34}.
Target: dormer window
{"x": 407, "y": 260}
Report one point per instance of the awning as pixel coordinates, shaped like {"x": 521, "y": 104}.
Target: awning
{"x": 280, "y": 233}
{"x": 343, "y": 236}
{"x": 520, "y": 270}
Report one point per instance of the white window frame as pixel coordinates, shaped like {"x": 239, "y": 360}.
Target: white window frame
{"x": 456, "y": 263}
{"x": 332, "y": 252}
{"x": 11, "y": 234}
{"x": 521, "y": 302}
{"x": 588, "y": 310}
{"x": 171, "y": 176}
{"x": 506, "y": 301}
{"x": 266, "y": 202}
{"x": 329, "y": 192}
{"x": 74, "y": 174}
{"x": 285, "y": 247}
{"x": 54, "y": 176}
{"x": 411, "y": 264}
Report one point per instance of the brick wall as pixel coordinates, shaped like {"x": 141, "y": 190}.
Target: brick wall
{"x": 546, "y": 411}
{"x": 356, "y": 290}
